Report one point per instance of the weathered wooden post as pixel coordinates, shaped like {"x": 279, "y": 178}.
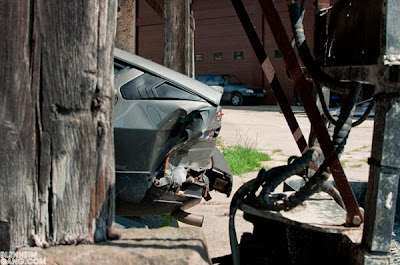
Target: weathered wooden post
{"x": 56, "y": 151}
{"x": 179, "y": 36}
{"x": 126, "y": 26}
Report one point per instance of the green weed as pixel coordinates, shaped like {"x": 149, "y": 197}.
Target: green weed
{"x": 168, "y": 219}
{"x": 276, "y": 151}
{"x": 242, "y": 159}
{"x": 220, "y": 142}
{"x": 362, "y": 148}
{"x": 343, "y": 163}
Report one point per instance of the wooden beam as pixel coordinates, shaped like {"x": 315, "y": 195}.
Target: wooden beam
{"x": 56, "y": 152}
{"x": 126, "y": 26}
{"x": 179, "y": 36}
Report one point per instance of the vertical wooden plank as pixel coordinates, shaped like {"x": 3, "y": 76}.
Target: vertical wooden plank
{"x": 178, "y": 36}
{"x": 17, "y": 127}
{"x": 57, "y": 170}
{"x": 174, "y": 35}
{"x": 125, "y": 38}
{"x": 189, "y": 38}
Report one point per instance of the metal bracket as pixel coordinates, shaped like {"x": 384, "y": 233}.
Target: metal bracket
{"x": 384, "y": 168}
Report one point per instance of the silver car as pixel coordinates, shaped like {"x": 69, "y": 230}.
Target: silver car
{"x": 165, "y": 129}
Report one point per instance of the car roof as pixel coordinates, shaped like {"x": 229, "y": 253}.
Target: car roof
{"x": 208, "y": 93}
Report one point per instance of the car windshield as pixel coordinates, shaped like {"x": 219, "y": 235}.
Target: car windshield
{"x": 232, "y": 80}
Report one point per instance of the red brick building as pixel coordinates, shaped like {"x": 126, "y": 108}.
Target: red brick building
{"x": 221, "y": 45}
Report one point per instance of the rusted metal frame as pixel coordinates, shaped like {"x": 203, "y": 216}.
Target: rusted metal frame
{"x": 354, "y": 215}
{"x": 271, "y": 75}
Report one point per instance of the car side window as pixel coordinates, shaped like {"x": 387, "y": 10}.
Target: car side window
{"x": 141, "y": 87}
{"x": 201, "y": 78}
{"x": 148, "y": 86}
{"x": 214, "y": 80}
{"x": 167, "y": 91}
{"x": 119, "y": 66}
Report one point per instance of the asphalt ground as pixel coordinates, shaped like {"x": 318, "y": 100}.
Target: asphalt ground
{"x": 265, "y": 128}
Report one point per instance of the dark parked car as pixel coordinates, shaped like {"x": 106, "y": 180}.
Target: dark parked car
{"x": 165, "y": 130}
{"x": 235, "y": 91}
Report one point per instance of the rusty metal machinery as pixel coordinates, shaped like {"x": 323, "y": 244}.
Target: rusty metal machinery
{"x": 361, "y": 46}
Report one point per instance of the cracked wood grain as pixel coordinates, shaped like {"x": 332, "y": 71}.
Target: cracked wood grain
{"x": 55, "y": 121}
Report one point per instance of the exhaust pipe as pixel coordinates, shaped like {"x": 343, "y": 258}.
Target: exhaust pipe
{"x": 188, "y": 218}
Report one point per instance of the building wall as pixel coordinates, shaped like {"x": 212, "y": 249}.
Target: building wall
{"x": 149, "y": 33}
{"x": 218, "y": 30}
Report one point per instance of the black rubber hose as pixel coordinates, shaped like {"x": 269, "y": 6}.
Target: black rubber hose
{"x": 329, "y": 188}
{"x": 365, "y": 114}
{"x": 318, "y": 75}
{"x": 275, "y": 176}
{"x": 344, "y": 121}
{"x": 249, "y": 188}
{"x": 313, "y": 68}
{"x": 325, "y": 108}
{"x": 330, "y": 118}
{"x": 311, "y": 187}
{"x": 317, "y": 182}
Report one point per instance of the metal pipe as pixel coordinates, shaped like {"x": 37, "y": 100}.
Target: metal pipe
{"x": 188, "y": 218}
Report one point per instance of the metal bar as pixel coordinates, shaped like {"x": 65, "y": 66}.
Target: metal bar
{"x": 382, "y": 189}
{"x": 270, "y": 74}
{"x": 354, "y": 215}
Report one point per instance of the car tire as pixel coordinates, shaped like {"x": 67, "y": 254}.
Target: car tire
{"x": 237, "y": 99}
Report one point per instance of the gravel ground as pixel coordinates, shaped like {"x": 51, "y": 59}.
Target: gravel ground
{"x": 265, "y": 128}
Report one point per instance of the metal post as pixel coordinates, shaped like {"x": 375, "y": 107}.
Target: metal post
{"x": 383, "y": 181}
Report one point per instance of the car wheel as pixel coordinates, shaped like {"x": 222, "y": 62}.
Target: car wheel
{"x": 237, "y": 99}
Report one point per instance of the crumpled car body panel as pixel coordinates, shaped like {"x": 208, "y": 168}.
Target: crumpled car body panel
{"x": 164, "y": 135}
{"x": 152, "y": 128}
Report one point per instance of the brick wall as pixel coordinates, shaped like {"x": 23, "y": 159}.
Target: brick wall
{"x": 218, "y": 30}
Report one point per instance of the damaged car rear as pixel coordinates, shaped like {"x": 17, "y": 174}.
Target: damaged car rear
{"x": 165, "y": 130}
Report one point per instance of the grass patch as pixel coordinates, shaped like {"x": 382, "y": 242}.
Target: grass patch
{"x": 220, "y": 142}
{"x": 242, "y": 159}
{"x": 168, "y": 219}
{"x": 356, "y": 166}
{"x": 343, "y": 163}
{"x": 362, "y": 148}
{"x": 275, "y": 151}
